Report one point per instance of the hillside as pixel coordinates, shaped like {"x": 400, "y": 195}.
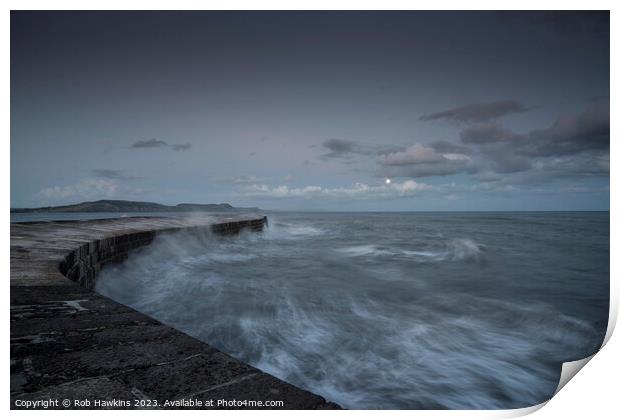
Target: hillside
{"x": 123, "y": 206}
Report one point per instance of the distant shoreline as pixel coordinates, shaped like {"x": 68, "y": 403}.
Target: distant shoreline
{"x": 125, "y": 206}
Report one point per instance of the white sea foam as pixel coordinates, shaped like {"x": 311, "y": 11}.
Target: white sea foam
{"x": 367, "y": 250}
{"x": 292, "y": 231}
{"x": 394, "y": 318}
{"x": 452, "y": 250}
{"x": 303, "y": 230}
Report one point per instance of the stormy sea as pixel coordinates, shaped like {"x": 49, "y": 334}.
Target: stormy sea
{"x": 389, "y": 310}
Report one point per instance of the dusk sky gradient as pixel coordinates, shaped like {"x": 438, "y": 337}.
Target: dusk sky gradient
{"x": 312, "y": 110}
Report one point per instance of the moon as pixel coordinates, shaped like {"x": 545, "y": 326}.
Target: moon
{"x": 388, "y": 180}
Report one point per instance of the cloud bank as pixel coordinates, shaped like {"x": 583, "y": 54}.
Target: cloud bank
{"x": 356, "y": 191}
{"x": 573, "y": 145}
{"x": 84, "y": 189}
{"x": 478, "y": 112}
{"x": 113, "y": 174}
{"x": 154, "y": 144}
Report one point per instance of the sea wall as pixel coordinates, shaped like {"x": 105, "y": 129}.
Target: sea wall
{"x": 73, "y": 348}
{"x": 83, "y": 264}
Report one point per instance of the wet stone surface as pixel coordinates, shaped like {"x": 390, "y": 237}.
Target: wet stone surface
{"x": 69, "y": 343}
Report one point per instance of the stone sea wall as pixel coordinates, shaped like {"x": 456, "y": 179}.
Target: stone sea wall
{"x": 83, "y": 264}
{"x": 73, "y": 348}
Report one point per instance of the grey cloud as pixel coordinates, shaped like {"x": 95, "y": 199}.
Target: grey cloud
{"x": 149, "y": 144}
{"x": 386, "y": 149}
{"x": 178, "y": 147}
{"x": 339, "y": 145}
{"x": 498, "y": 149}
{"x": 586, "y": 164}
{"x": 84, "y": 188}
{"x": 338, "y": 148}
{"x": 113, "y": 174}
{"x": 238, "y": 180}
{"x": 478, "y": 112}
{"x": 412, "y": 155}
{"x": 447, "y": 147}
{"x": 154, "y": 143}
{"x": 346, "y": 150}
{"x": 498, "y": 146}
{"x": 247, "y": 180}
{"x": 546, "y": 170}
{"x": 572, "y": 134}
{"x": 447, "y": 167}
{"x": 356, "y": 191}
{"x": 505, "y": 161}
{"x": 574, "y": 145}
{"x": 486, "y": 133}
{"x": 421, "y": 161}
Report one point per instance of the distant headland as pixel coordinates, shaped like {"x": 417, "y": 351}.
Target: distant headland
{"x": 125, "y": 206}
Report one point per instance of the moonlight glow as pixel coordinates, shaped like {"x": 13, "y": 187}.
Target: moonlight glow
{"x": 388, "y": 181}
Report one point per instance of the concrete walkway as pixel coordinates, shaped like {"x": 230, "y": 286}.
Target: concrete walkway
{"x": 71, "y": 346}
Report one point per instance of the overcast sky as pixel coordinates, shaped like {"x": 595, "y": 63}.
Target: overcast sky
{"x": 312, "y": 110}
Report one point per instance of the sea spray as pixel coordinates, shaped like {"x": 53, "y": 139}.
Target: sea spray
{"x": 388, "y": 310}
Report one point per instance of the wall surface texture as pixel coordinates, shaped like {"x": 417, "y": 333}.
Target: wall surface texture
{"x": 73, "y": 348}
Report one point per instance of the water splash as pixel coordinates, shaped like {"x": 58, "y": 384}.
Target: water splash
{"x": 402, "y": 317}
{"x": 452, "y": 250}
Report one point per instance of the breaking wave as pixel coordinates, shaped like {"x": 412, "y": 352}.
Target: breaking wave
{"x": 369, "y": 318}
{"x": 280, "y": 230}
{"x": 453, "y": 250}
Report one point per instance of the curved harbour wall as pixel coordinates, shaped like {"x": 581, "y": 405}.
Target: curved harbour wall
{"x": 83, "y": 264}
{"x": 69, "y": 343}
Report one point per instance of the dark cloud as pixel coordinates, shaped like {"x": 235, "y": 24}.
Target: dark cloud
{"x": 415, "y": 154}
{"x": 478, "y": 112}
{"x": 338, "y": 147}
{"x": 341, "y": 148}
{"x": 149, "y": 144}
{"x": 547, "y": 170}
{"x": 154, "y": 143}
{"x": 347, "y": 149}
{"x": 113, "y": 174}
{"x": 486, "y": 133}
{"x": 502, "y": 159}
{"x": 179, "y": 147}
{"x": 572, "y": 134}
{"x": 497, "y": 149}
{"x": 574, "y": 145}
{"x": 503, "y": 151}
{"x": 386, "y": 149}
{"x": 447, "y": 147}
{"x": 585, "y": 164}
{"x": 423, "y": 160}
{"x": 489, "y": 147}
